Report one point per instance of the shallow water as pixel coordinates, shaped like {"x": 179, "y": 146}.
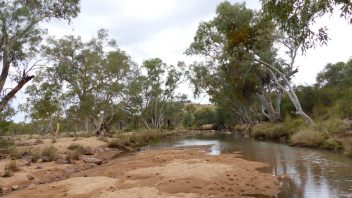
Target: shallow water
{"x": 303, "y": 172}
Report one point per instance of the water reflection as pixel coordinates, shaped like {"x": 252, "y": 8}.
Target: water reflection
{"x": 302, "y": 172}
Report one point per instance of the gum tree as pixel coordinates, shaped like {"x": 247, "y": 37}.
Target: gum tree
{"x": 20, "y": 36}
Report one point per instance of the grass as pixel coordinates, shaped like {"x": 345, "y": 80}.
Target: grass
{"x": 5, "y": 143}
{"x": 17, "y": 153}
{"x": 308, "y": 138}
{"x": 36, "y": 154}
{"x": 324, "y": 134}
{"x": 76, "y": 150}
{"x": 73, "y": 155}
{"x": 10, "y": 168}
{"x": 76, "y": 147}
{"x": 49, "y": 153}
{"x": 277, "y": 131}
{"x": 103, "y": 139}
{"x": 129, "y": 141}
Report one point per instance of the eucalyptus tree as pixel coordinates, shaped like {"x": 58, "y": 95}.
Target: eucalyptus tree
{"x": 93, "y": 75}
{"x": 44, "y": 101}
{"x": 230, "y": 75}
{"x": 240, "y": 42}
{"x": 296, "y": 17}
{"x": 20, "y": 36}
{"x": 158, "y": 92}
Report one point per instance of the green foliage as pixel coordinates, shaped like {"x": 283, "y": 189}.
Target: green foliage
{"x": 277, "y": 131}
{"x": 232, "y": 77}
{"x": 204, "y": 115}
{"x": 332, "y": 144}
{"x": 295, "y": 18}
{"x": 21, "y": 35}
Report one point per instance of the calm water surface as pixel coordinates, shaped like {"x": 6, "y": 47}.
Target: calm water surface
{"x": 304, "y": 172}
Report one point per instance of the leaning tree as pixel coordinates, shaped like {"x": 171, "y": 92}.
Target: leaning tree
{"x": 20, "y": 37}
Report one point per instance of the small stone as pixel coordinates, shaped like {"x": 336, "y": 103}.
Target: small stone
{"x": 38, "y": 167}
{"x": 15, "y": 187}
{"x": 93, "y": 160}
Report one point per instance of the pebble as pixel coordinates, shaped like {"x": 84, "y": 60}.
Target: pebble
{"x": 15, "y": 187}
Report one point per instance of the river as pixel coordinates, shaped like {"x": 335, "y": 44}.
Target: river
{"x": 302, "y": 172}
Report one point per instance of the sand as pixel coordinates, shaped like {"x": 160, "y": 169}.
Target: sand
{"x": 182, "y": 172}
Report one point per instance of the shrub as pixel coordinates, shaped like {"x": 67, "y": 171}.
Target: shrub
{"x": 35, "y": 154}
{"x": 335, "y": 125}
{"x": 5, "y": 143}
{"x": 332, "y": 144}
{"x": 77, "y": 147}
{"x": 73, "y": 155}
{"x": 49, "y": 154}
{"x": 308, "y": 138}
{"x": 277, "y": 131}
{"x": 7, "y": 173}
{"x": 119, "y": 142}
{"x": 16, "y": 153}
{"x": 11, "y": 166}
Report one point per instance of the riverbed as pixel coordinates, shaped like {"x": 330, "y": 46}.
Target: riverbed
{"x": 302, "y": 172}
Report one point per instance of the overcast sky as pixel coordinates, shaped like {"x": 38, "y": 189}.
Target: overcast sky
{"x": 165, "y": 28}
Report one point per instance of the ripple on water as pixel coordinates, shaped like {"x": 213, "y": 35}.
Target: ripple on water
{"x": 310, "y": 173}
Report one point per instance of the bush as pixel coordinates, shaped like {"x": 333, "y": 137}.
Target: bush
{"x": 7, "y": 173}
{"x": 36, "y": 154}
{"x": 5, "y": 143}
{"x": 49, "y": 154}
{"x": 334, "y": 126}
{"x": 16, "y": 153}
{"x": 73, "y": 155}
{"x": 332, "y": 144}
{"x": 77, "y": 147}
{"x": 119, "y": 142}
{"x": 10, "y": 167}
{"x": 308, "y": 138}
{"x": 277, "y": 131}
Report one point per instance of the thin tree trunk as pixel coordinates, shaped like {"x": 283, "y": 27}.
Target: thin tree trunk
{"x": 86, "y": 124}
{"x": 290, "y": 92}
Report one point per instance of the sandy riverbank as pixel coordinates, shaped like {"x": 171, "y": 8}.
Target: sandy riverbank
{"x": 182, "y": 172}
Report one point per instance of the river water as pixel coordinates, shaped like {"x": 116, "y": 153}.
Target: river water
{"x": 303, "y": 172}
